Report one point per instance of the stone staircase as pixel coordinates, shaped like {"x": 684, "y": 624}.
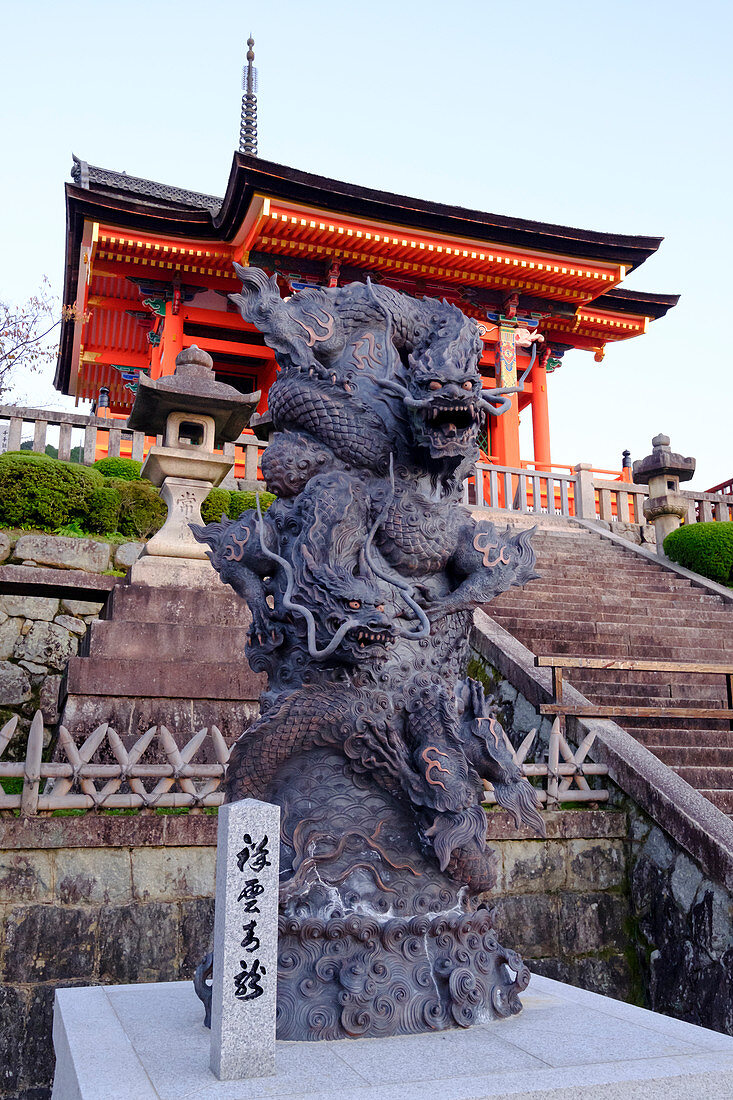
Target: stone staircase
{"x": 164, "y": 655}
{"x": 598, "y": 599}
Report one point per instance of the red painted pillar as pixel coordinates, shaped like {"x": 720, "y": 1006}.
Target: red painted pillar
{"x": 172, "y": 342}
{"x": 540, "y": 417}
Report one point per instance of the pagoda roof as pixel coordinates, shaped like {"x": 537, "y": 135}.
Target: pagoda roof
{"x": 637, "y": 302}
{"x": 124, "y": 230}
{"x": 91, "y": 178}
{"x": 250, "y": 175}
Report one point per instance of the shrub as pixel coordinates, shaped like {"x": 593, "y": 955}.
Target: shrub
{"x": 215, "y": 506}
{"x": 39, "y": 491}
{"x": 128, "y": 469}
{"x": 103, "y": 510}
{"x": 142, "y": 512}
{"x": 242, "y": 502}
{"x": 706, "y": 548}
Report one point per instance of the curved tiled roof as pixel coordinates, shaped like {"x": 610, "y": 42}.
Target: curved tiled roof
{"x": 90, "y": 176}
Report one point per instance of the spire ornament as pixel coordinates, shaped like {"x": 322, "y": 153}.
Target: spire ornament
{"x": 248, "y": 125}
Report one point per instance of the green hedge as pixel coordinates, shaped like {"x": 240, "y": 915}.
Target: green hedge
{"x": 142, "y": 512}
{"x": 706, "y": 548}
{"x": 40, "y": 491}
{"x": 127, "y": 469}
{"x": 231, "y": 503}
{"x": 215, "y": 506}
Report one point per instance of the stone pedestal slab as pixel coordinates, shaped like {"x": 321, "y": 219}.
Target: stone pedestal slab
{"x": 149, "y": 1042}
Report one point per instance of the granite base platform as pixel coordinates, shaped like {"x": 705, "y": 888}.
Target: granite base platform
{"x": 147, "y": 1042}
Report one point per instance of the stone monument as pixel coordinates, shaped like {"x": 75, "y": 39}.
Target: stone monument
{"x": 361, "y": 580}
{"x": 194, "y": 413}
{"x": 244, "y": 978}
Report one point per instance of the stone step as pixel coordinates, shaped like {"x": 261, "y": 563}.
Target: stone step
{"x": 163, "y": 679}
{"x": 589, "y": 611}
{"x": 139, "y": 603}
{"x": 167, "y": 641}
{"x": 685, "y": 737}
{"x": 695, "y": 756}
{"x": 681, "y": 634}
{"x": 709, "y": 778}
{"x": 605, "y": 597}
{"x": 130, "y": 717}
{"x": 723, "y": 799}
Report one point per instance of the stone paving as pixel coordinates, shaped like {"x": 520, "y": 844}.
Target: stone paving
{"x": 148, "y": 1042}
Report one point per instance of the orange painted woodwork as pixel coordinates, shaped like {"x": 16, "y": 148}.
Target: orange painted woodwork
{"x": 133, "y": 247}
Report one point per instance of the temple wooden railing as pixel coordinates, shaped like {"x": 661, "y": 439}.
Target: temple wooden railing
{"x": 559, "y": 708}
{"x": 87, "y": 438}
{"x": 77, "y": 780}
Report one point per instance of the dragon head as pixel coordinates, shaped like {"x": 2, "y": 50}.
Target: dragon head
{"x": 444, "y": 385}
{"x": 344, "y": 597}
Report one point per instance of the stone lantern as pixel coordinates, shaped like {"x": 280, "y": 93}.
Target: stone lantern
{"x": 662, "y": 471}
{"x": 194, "y": 414}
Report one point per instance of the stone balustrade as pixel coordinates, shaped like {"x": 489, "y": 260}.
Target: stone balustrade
{"x": 583, "y": 492}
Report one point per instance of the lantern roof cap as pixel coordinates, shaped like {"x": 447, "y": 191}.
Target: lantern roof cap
{"x": 192, "y": 388}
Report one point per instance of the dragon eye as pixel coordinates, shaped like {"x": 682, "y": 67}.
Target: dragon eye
{"x": 354, "y": 604}
{"x": 435, "y": 385}
{"x": 380, "y": 607}
{"x": 468, "y": 385}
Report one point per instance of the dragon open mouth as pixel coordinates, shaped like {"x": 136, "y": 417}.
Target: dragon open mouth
{"x": 450, "y": 424}
{"x": 364, "y": 637}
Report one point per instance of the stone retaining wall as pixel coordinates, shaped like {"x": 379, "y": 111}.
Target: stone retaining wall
{"x": 675, "y": 917}
{"x": 102, "y": 899}
{"x": 38, "y": 634}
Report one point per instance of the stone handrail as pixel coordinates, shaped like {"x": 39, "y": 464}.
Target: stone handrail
{"x": 80, "y": 782}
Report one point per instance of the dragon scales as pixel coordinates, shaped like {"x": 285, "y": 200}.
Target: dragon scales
{"x": 361, "y": 580}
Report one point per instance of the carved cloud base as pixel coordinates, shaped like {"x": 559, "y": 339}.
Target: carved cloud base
{"x": 374, "y": 939}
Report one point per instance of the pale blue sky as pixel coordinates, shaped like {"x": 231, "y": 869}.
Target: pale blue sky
{"x": 611, "y": 116}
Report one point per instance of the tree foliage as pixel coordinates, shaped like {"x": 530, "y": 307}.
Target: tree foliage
{"x": 25, "y": 334}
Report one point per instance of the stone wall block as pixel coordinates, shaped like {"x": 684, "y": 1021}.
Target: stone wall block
{"x": 82, "y": 607}
{"x": 15, "y": 685}
{"x": 68, "y": 622}
{"x": 528, "y": 923}
{"x": 608, "y": 975}
{"x": 533, "y": 867}
{"x": 197, "y": 933}
{"x": 49, "y": 699}
{"x": 47, "y": 644}
{"x": 26, "y": 876}
{"x": 9, "y": 634}
{"x": 658, "y": 849}
{"x": 139, "y": 943}
{"x": 13, "y": 1011}
{"x": 160, "y": 874}
{"x": 5, "y": 546}
{"x": 525, "y": 717}
{"x": 596, "y": 864}
{"x": 127, "y": 554}
{"x": 30, "y": 607}
{"x": 48, "y": 942}
{"x": 592, "y": 922}
{"x": 93, "y": 876}
{"x": 64, "y": 553}
{"x": 685, "y": 880}
{"x": 712, "y": 919}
